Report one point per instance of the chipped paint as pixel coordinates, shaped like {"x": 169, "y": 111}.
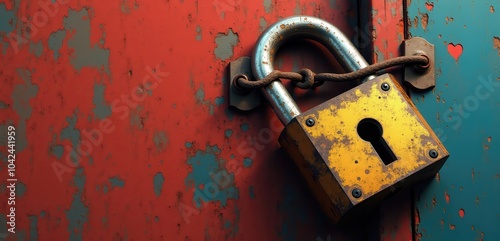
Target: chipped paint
{"x": 262, "y": 23}
{"x": 268, "y": 5}
{"x": 199, "y": 35}
{"x": 251, "y": 192}
{"x": 73, "y": 135}
{"x": 21, "y": 99}
{"x": 225, "y": 44}
{"x": 116, "y": 182}
{"x": 247, "y": 162}
{"x": 244, "y": 127}
{"x": 85, "y": 53}
{"x": 33, "y": 220}
{"x": 160, "y": 139}
{"x": 228, "y": 133}
{"x": 158, "y": 181}
{"x": 102, "y": 109}
{"x": 36, "y": 48}
{"x": 77, "y": 214}
{"x": 55, "y": 42}
{"x": 205, "y": 178}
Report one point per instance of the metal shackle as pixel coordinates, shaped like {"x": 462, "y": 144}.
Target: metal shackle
{"x": 302, "y": 27}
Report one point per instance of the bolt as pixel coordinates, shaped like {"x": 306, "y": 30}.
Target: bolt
{"x": 310, "y": 122}
{"x": 385, "y": 87}
{"x": 433, "y": 153}
{"x": 356, "y": 193}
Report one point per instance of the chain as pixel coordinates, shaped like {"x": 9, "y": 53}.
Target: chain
{"x": 306, "y": 78}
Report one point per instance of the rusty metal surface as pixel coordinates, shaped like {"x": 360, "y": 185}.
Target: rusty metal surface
{"x": 328, "y": 143}
{"x": 242, "y": 99}
{"x": 420, "y": 77}
{"x": 123, "y": 129}
{"x": 461, "y": 203}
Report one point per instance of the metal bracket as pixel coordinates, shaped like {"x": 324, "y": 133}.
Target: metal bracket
{"x": 421, "y": 78}
{"x": 244, "y": 100}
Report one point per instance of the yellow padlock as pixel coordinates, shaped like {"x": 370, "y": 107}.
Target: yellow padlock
{"x": 359, "y": 147}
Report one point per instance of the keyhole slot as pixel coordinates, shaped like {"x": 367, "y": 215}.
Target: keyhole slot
{"x": 370, "y": 130}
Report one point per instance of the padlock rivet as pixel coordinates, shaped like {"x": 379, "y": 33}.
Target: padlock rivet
{"x": 310, "y": 122}
{"x": 356, "y": 193}
{"x": 385, "y": 87}
{"x": 433, "y": 153}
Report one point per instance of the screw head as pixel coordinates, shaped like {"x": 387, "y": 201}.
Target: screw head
{"x": 385, "y": 87}
{"x": 356, "y": 193}
{"x": 310, "y": 122}
{"x": 433, "y": 153}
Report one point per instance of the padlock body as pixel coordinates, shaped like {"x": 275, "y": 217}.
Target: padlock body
{"x": 350, "y": 173}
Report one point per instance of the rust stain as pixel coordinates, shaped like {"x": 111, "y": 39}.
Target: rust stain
{"x": 492, "y": 9}
{"x": 489, "y": 139}
{"x": 496, "y": 43}
{"x": 438, "y": 177}
{"x": 425, "y": 20}
{"x": 415, "y": 22}
{"x": 452, "y": 227}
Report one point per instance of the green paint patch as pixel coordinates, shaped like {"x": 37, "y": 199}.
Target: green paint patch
{"x": 55, "y": 42}
{"x": 160, "y": 139}
{"x": 33, "y": 220}
{"x": 245, "y": 127}
{"x": 21, "y": 98}
{"x": 247, "y": 162}
{"x": 77, "y": 215}
{"x": 219, "y": 101}
{"x": 36, "y": 48}
{"x": 116, "y": 182}
{"x": 198, "y": 33}
{"x": 210, "y": 179}
{"x": 251, "y": 192}
{"x": 188, "y": 144}
{"x": 225, "y": 44}
{"x": 158, "y": 181}
{"x": 71, "y": 133}
{"x": 229, "y": 133}
{"x": 20, "y": 189}
{"x": 3, "y": 105}
{"x": 135, "y": 118}
{"x": 57, "y": 150}
{"x": 102, "y": 109}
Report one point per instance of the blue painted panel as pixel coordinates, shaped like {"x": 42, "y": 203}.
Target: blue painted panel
{"x": 462, "y": 202}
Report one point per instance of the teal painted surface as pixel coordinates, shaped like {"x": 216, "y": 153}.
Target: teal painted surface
{"x": 462, "y": 203}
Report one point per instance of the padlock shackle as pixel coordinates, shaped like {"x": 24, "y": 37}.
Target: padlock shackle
{"x": 301, "y": 27}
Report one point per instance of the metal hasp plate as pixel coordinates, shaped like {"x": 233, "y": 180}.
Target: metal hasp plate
{"x": 418, "y": 77}
{"x": 349, "y": 174}
{"x": 244, "y": 100}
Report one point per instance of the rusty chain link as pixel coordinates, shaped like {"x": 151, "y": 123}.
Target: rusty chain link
{"x": 306, "y": 78}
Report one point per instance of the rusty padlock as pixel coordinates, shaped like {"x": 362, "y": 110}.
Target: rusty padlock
{"x": 355, "y": 149}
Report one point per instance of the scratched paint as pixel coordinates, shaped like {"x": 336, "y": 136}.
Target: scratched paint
{"x": 225, "y": 43}
{"x": 462, "y": 198}
{"x": 207, "y": 170}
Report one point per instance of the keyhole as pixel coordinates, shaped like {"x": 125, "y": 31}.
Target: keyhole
{"x": 370, "y": 130}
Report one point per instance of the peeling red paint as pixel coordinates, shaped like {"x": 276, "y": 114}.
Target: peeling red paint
{"x": 429, "y": 6}
{"x": 461, "y": 213}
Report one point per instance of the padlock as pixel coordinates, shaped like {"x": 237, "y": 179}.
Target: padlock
{"x": 358, "y": 148}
